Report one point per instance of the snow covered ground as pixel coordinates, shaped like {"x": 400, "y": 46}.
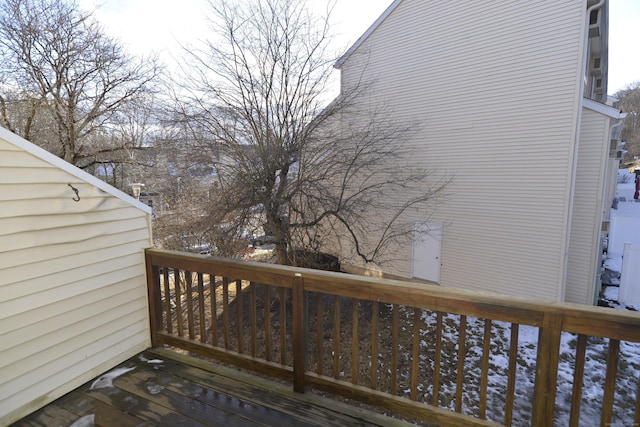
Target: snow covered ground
{"x": 593, "y": 380}
{"x": 625, "y": 228}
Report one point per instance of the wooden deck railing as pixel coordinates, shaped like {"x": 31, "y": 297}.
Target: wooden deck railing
{"x": 449, "y": 357}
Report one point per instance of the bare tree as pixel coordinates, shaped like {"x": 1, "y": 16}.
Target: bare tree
{"x": 72, "y": 71}
{"x": 182, "y": 226}
{"x": 125, "y": 153}
{"x": 630, "y": 103}
{"x": 259, "y": 88}
{"x": 183, "y": 173}
{"x": 23, "y": 113}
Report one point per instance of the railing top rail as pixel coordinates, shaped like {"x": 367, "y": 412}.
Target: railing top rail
{"x": 236, "y": 269}
{"x": 594, "y": 321}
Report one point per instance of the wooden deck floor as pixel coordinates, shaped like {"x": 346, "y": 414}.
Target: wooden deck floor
{"x": 182, "y": 391}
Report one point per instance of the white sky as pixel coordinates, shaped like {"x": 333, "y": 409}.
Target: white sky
{"x": 624, "y": 39}
{"x": 158, "y": 25}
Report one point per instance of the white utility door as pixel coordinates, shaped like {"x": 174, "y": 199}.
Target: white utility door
{"x": 427, "y": 239}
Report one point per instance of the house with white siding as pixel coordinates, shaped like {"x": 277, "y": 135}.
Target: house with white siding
{"x": 73, "y": 300}
{"x": 510, "y": 99}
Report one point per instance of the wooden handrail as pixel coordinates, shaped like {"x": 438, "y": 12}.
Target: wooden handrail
{"x": 286, "y": 339}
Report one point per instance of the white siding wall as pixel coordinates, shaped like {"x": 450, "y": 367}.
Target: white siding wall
{"x": 493, "y": 89}
{"x": 610, "y": 186}
{"x": 593, "y": 153}
{"x": 72, "y": 281}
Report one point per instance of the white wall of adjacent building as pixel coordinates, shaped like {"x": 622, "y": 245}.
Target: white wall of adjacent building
{"x": 495, "y": 103}
{"x": 584, "y": 262}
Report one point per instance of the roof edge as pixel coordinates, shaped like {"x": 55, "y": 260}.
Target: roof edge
{"x": 605, "y": 109}
{"x": 367, "y": 33}
{"x": 43, "y": 154}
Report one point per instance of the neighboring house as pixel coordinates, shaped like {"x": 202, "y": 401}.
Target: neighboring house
{"x": 153, "y": 200}
{"x": 73, "y": 300}
{"x": 509, "y": 98}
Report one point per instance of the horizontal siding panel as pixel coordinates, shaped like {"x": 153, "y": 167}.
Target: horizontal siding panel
{"x": 36, "y": 223}
{"x": 53, "y": 206}
{"x": 56, "y": 377}
{"x": 50, "y": 190}
{"x": 22, "y": 159}
{"x": 6, "y": 147}
{"x": 71, "y": 234}
{"x": 28, "y": 327}
{"x": 19, "y": 373}
{"x": 31, "y": 256}
{"x": 26, "y": 296}
{"x": 15, "y": 175}
{"x": 88, "y": 264}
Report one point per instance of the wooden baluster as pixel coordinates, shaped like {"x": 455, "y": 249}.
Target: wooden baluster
{"x": 299, "y": 333}
{"x": 176, "y": 282}
{"x": 267, "y": 324}
{"x": 189, "y": 296}
{"x": 283, "y": 326}
{"x": 511, "y": 376}
{"x": 214, "y": 309}
{"x": 252, "y": 313}
{"x": 578, "y": 376}
{"x": 225, "y": 311}
{"x": 462, "y": 348}
{"x": 610, "y": 382}
{"x": 394, "y": 349}
{"x": 319, "y": 332}
{"x": 167, "y": 300}
{"x": 436, "y": 362}
{"x": 415, "y": 356}
{"x": 239, "y": 316}
{"x": 336, "y": 337}
{"x": 354, "y": 342}
{"x": 374, "y": 344}
{"x": 201, "y": 315}
{"x": 484, "y": 370}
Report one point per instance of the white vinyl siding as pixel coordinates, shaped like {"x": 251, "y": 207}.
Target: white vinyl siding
{"x": 73, "y": 297}
{"x": 611, "y": 182}
{"x": 593, "y": 153}
{"x": 492, "y": 90}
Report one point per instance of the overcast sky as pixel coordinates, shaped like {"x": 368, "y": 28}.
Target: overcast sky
{"x": 624, "y": 40}
{"x": 157, "y": 25}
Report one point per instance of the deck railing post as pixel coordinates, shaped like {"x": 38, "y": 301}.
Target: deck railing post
{"x": 154, "y": 298}
{"x": 299, "y": 332}
{"x": 547, "y": 369}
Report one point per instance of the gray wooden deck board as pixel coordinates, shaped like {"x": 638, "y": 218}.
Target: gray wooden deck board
{"x": 183, "y": 391}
